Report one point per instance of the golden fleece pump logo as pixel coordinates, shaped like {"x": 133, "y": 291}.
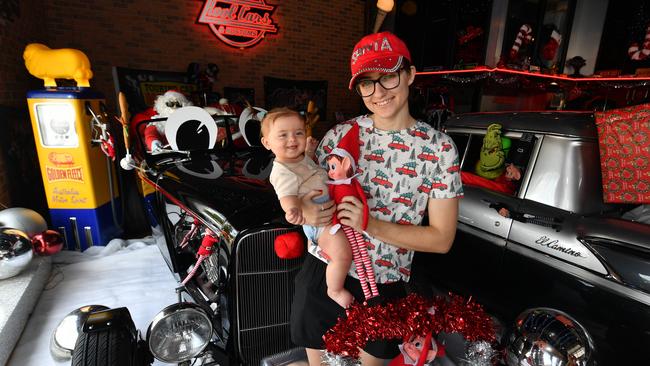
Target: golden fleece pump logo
{"x": 238, "y": 23}
{"x": 55, "y": 174}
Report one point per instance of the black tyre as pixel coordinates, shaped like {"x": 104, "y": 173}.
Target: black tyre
{"x": 110, "y": 347}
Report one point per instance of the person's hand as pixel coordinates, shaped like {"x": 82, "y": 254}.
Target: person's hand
{"x": 156, "y": 145}
{"x": 294, "y": 216}
{"x": 317, "y": 214}
{"x": 504, "y": 212}
{"x": 310, "y": 149}
{"x": 350, "y": 212}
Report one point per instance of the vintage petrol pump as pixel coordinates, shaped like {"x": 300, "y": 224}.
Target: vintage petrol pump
{"x": 79, "y": 179}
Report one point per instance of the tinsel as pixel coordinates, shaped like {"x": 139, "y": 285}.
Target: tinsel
{"x": 402, "y": 318}
{"x": 480, "y": 353}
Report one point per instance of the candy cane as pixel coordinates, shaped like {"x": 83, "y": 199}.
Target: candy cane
{"x": 524, "y": 36}
{"x": 640, "y": 54}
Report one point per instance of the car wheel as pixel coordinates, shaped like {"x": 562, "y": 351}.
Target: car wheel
{"x": 111, "y": 347}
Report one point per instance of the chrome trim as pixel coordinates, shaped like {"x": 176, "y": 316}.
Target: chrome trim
{"x": 89, "y": 236}
{"x": 613, "y": 274}
{"x": 580, "y": 273}
{"x": 75, "y": 233}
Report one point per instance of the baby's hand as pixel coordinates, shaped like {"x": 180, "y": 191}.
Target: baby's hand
{"x": 294, "y": 216}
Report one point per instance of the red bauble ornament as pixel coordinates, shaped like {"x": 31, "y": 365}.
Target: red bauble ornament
{"x": 289, "y": 246}
{"x": 47, "y": 243}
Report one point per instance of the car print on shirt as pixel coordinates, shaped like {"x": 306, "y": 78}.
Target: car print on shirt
{"x": 381, "y": 207}
{"x": 405, "y": 220}
{"x": 420, "y": 131}
{"x": 446, "y": 146}
{"x": 453, "y": 169}
{"x": 375, "y": 155}
{"x": 428, "y": 154}
{"x": 407, "y": 169}
{"x": 398, "y": 144}
{"x": 385, "y": 261}
{"x": 404, "y": 198}
{"x": 381, "y": 179}
{"x": 437, "y": 184}
{"x": 404, "y": 271}
{"x": 425, "y": 187}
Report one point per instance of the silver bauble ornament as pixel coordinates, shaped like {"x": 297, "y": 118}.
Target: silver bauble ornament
{"x": 15, "y": 252}
{"x": 548, "y": 337}
{"x": 24, "y": 219}
{"x": 67, "y": 331}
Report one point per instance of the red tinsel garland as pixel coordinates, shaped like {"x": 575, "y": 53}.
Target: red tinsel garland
{"x": 406, "y": 317}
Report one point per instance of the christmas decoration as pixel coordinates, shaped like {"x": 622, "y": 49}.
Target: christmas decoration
{"x": 410, "y": 316}
{"x": 491, "y": 163}
{"x": 549, "y": 51}
{"x": 289, "y": 246}
{"x": 625, "y": 154}
{"x": 480, "y": 353}
{"x": 524, "y": 36}
{"x": 15, "y": 252}
{"x": 342, "y": 162}
{"x": 48, "y": 242}
{"x": 164, "y": 105}
{"x": 642, "y": 53}
{"x": 208, "y": 244}
{"x": 28, "y": 221}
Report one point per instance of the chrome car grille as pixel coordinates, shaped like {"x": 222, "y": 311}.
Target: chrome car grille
{"x": 264, "y": 288}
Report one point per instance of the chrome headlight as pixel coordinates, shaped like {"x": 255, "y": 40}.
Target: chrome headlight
{"x": 548, "y": 337}
{"x": 67, "y": 331}
{"x": 179, "y": 332}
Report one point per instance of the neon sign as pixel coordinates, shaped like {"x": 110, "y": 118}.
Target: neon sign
{"x": 238, "y": 23}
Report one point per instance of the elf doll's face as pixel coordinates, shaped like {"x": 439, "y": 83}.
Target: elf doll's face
{"x": 338, "y": 167}
{"x": 413, "y": 349}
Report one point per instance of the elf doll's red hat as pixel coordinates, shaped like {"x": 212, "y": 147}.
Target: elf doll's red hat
{"x": 348, "y": 147}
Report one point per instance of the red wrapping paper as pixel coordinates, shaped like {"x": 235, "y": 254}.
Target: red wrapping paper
{"x": 624, "y": 141}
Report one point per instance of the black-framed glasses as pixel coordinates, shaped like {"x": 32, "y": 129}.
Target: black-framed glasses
{"x": 366, "y": 87}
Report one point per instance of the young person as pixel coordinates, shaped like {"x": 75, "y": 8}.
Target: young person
{"x": 293, "y": 175}
{"x": 397, "y": 175}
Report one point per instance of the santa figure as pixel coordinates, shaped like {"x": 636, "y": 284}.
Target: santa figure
{"x": 164, "y": 106}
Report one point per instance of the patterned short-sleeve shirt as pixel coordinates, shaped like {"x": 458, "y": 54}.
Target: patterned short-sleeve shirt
{"x": 399, "y": 171}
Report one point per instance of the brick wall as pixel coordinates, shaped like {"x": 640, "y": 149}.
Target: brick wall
{"x": 14, "y": 80}
{"x": 314, "y": 42}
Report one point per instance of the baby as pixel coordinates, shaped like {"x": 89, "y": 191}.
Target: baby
{"x": 295, "y": 174}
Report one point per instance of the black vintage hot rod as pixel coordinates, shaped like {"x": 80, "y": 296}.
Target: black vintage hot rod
{"x": 234, "y": 308}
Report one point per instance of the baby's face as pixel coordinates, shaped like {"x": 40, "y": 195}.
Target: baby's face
{"x": 287, "y": 139}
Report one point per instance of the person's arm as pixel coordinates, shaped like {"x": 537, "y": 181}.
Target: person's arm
{"x": 291, "y": 207}
{"x": 437, "y": 237}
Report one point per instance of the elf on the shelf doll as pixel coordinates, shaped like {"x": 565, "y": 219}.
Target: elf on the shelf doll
{"x": 164, "y": 106}
{"x": 341, "y": 166}
{"x": 418, "y": 351}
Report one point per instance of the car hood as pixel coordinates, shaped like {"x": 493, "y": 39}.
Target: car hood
{"x": 224, "y": 186}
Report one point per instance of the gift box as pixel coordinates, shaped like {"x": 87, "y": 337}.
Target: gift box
{"x": 623, "y": 137}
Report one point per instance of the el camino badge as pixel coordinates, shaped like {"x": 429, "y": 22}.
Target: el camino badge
{"x": 553, "y": 244}
{"x": 238, "y": 23}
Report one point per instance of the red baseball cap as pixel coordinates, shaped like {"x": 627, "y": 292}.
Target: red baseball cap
{"x": 382, "y": 52}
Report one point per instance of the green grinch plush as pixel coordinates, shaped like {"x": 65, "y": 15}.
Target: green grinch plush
{"x": 492, "y": 157}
